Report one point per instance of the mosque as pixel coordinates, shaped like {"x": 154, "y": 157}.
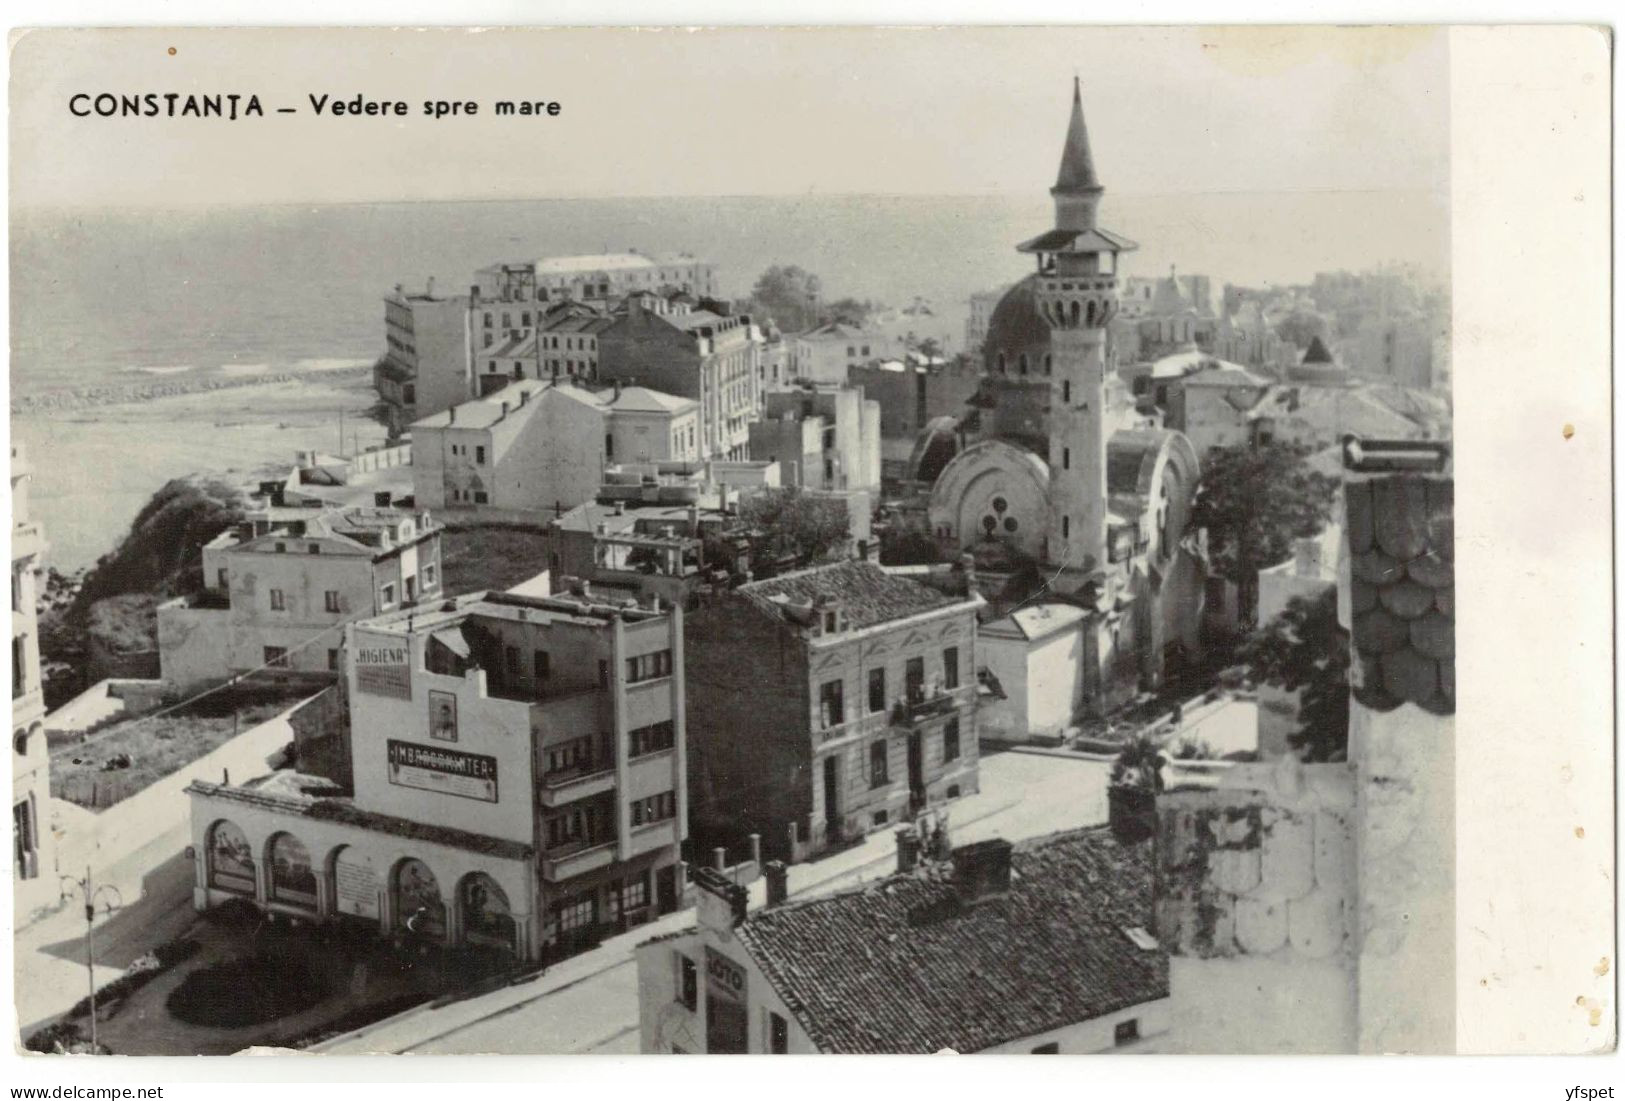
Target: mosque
{"x": 1064, "y": 471}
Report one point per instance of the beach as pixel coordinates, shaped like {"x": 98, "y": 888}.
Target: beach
{"x": 96, "y": 466}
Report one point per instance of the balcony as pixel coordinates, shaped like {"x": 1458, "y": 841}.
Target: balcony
{"x": 568, "y": 861}
{"x": 27, "y": 540}
{"x": 924, "y": 705}
{"x": 558, "y": 788}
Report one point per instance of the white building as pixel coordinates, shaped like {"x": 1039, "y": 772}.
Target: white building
{"x": 1034, "y": 659}
{"x": 32, "y": 851}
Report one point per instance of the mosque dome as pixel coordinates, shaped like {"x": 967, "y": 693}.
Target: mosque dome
{"x": 1017, "y": 340}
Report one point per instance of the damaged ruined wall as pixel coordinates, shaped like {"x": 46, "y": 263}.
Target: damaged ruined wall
{"x": 1255, "y": 903}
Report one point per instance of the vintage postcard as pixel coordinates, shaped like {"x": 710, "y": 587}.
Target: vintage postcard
{"x": 792, "y": 541}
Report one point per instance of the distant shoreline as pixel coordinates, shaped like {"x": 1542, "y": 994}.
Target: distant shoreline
{"x": 86, "y": 397}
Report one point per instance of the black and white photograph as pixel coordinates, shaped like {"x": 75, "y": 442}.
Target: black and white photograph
{"x": 786, "y": 541}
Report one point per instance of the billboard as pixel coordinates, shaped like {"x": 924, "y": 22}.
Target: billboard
{"x": 448, "y": 771}
{"x": 383, "y": 666}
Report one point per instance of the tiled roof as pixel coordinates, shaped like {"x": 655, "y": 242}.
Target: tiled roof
{"x": 641, "y": 399}
{"x": 1401, "y": 532}
{"x": 902, "y": 967}
{"x": 867, "y": 593}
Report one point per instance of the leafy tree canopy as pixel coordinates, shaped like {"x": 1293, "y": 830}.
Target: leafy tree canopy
{"x": 1305, "y": 650}
{"x": 795, "y": 524}
{"x": 789, "y": 295}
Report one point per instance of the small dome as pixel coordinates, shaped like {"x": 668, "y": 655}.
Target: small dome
{"x": 1014, "y": 329}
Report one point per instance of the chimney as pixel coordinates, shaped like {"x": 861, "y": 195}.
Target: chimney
{"x": 617, "y": 390}
{"x": 777, "y": 875}
{"x": 620, "y": 508}
{"x": 982, "y": 871}
{"x": 428, "y": 291}
{"x": 524, "y": 396}
{"x": 720, "y": 904}
{"x": 451, "y": 414}
{"x": 908, "y": 848}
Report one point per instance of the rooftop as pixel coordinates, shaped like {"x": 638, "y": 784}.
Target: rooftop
{"x": 868, "y": 594}
{"x": 428, "y": 618}
{"x": 902, "y": 966}
{"x": 641, "y": 399}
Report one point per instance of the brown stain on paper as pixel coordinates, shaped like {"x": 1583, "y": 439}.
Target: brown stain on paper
{"x": 1602, "y": 967}
{"x": 1261, "y": 51}
{"x": 1580, "y": 832}
{"x": 1568, "y": 431}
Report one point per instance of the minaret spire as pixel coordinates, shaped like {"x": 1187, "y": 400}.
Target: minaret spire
{"x": 1077, "y": 162}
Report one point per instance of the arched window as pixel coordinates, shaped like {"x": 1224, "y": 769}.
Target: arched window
{"x": 1066, "y": 527}
{"x": 1066, "y": 390}
{"x": 487, "y": 917}
{"x": 419, "y": 907}
{"x": 1021, "y": 364}
{"x": 1089, "y": 315}
{"x": 293, "y": 881}
{"x": 230, "y": 859}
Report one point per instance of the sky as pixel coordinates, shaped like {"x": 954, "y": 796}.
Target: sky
{"x": 965, "y": 110}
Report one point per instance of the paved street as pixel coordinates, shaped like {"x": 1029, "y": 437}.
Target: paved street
{"x": 590, "y": 1003}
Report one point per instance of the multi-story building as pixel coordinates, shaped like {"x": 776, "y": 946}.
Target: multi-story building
{"x": 428, "y": 364}
{"x": 694, "y": 353}
{"x": 32, "y": 849}
{"x": 595, "y": 278}
{"x": 536, "y": 445}
{"x": 979, "y": 313}
{"x": 828, "y": 702}
{"x": 825, "y": 354}
{"x": 279, "y": 588}
{"x": 1040, "y": 947}
{"x": 518, "y": 782}
{"x": 822, "y": 437}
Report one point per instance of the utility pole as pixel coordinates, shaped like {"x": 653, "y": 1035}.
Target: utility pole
{"x": 90, "y": 893}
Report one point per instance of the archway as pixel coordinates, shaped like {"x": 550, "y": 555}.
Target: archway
{"x": 293, "y": 880}
{"x": 419, "y": 907}
{"x": 487, "y": 916}
{"x": 231, "y": 859}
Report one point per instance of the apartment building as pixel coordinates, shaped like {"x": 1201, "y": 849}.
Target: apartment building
{"x": 279, "y": 588}
{"x": 518, "y": 782}
{"x": 667, "y": 345}
{"x": 829, "y": 702}
{"x": 427, "y": 365}
{"x": 822, "y": 437}
{"x": 595, "y": 278}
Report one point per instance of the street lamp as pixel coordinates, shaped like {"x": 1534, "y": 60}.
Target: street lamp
{"x": 110, "y": 900}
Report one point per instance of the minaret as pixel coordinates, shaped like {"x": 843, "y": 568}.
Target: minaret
{"x": 1077, "y": 296}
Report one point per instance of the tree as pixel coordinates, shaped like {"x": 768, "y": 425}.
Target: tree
{"x": 1255, "y": 502}
{"x": 794, "y": 524}
{"x": 789, "y": 295}
{"x": 1305, "y": 650}
{"x": 849, "y": 310}
{"x": 1300, "y": 327}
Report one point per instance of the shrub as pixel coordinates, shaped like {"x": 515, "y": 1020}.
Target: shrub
{"x": 248, "y": 991}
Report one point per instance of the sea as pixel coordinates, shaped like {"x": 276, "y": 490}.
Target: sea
{"x": 107, "y": 297}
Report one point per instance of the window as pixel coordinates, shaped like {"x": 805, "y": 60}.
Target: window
{"x": 831, "y": 708}
{"x": 315, "y": 548}
{"x": 877, "y": 690}
{"x": 609, "y": 446}
{"x": 429, "y": 573}
{"x": 654, "y": 808}
{"x": 652, "y": 738}
{"x": 1066, "y": 390}
{"x": 1126, "y": 1032}
{"x": 220, "y": 579}
{"x": 688, "y": 982}
{"x": 629, "y": 894}
{"x": 950, "y": 740}
{"x": 575, "y": 755}
{"x": 953, "y": 791}
{"x": 541, "y": 665}
{"x": 881, "y": 817}
{"x": 282, "y": 548}
{"x": 386, "y": 594}
{"x": 1066, "y": 527}
{"x": 914, "y": 679}
{"x": 330, "y": 600}
{"x": 1047, "y": 1049}
{"x": 1066, "y": 458}
{"x": 648, "y": 666}
{"x": 277, "y": 656}
{"x": 481, "y": 498}
{"x": 778, "y": 1034}
{"x": 877, "y": 765}
{"x": 333, "y": 660}
{"x": 575, "y": 913}
{"x": 950, "y": 667}
{"x": 279, "y": 602}
{"x": 479, "y": 454}
{"x": 510, "y": 662}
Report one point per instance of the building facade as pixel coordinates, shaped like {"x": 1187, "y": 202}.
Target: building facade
{"x": 988, "y": 948}
{"x": 822, "y": 437}
{"x": 279, "y": 588}
{"x": 518, "y": 783}
{"x": 32, "y": 844}
{"x": 428, "y": 361}
{"x": 692, "y": 353}
{"x": 596, "y": 278}
{"x": 829, "y": 702}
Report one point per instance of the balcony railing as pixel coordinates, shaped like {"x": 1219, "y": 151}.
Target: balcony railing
{"x": 563, "y": 862}
{"x": 567, "y": 786}
{"x": 926, "y": 704}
